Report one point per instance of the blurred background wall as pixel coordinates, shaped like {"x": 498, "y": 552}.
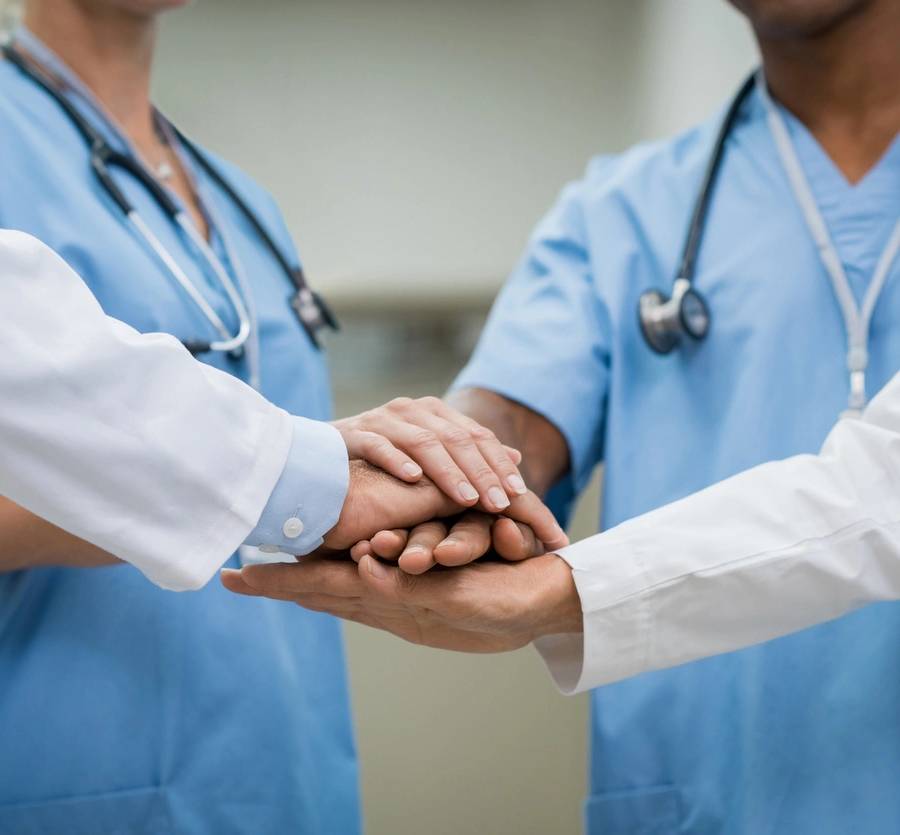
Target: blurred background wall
{"x": 412, "y": 146}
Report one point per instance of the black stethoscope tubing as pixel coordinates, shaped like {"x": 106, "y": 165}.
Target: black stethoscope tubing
{"x": 311, "y": 309}
{"x": 665, "y": 319}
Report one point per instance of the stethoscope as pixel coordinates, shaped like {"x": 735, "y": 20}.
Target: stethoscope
{"x": 665, "y": 320}
{"x": 311, "y": 310}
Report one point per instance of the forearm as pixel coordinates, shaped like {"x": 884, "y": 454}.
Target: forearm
{"x": 124, "y": 439}
{"x": 545, "y": 454}
{"x": 27, "y": 541}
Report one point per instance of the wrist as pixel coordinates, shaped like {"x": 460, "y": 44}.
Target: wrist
{"x": 348, "y": 529}
{"x": 377, "y": 501}
{"x": 559, "y": 605}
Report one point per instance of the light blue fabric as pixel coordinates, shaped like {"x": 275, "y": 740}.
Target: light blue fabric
{"x": 800, "y": 736}
{"x": 312, "y": 488}
{"x": 125, "y": 708}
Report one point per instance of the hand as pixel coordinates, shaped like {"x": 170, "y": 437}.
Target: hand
{"x": 376, "y": 500}
{"x": 408, "y": 438}
{"x": 484, "y": 607}
{"x": 473, "y": 536}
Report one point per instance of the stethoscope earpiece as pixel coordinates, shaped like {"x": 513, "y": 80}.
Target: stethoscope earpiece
{"x": 664, "y": 320}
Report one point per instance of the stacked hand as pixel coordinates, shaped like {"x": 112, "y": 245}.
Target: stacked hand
{"x": 451, "y": 544}
{"x": 447, "y": 493}
{"x": 407, "y": 438}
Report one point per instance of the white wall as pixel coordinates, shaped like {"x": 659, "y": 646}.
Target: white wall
{"x": 692, "y": 56}
{"x": 412, "y": 145}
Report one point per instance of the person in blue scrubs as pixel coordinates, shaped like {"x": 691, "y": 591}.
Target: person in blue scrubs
{"x": 126, "y": 708}
{"x": 800, "y": 736}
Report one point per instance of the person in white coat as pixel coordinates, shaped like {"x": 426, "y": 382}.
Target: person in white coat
{"x": 120, "y": 445}
{"x": 795, "y": 253}
{"x": 770, "y": 551}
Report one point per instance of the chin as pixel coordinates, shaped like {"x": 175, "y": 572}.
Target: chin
{"x": 149, "y": 7}
{"x": 797, "y": 18}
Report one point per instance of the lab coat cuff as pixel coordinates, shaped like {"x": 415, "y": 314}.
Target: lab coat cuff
{"x": 271, "y": 438}
{"x": 612, "y": 585}
{"x": 308, "y": 498}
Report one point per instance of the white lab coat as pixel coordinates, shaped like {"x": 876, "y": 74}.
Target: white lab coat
{"x": 124, "y": 439}
{"x": 771, "y": 551}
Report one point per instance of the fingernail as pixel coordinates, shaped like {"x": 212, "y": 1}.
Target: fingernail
{"x": 498, "y": 498}
{"x": 517, "y": 485}
{"x": 414, "y": 549}
{"x": 412, "y": 470}
{"x": 467, "y": 491}
{"x": 376, "y": 569}
{"x": 450, "y": 541}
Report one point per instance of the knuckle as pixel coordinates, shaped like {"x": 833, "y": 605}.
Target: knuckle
{"x": 449, "y": 469}
{"x": 483, "y": 473}
{"x": 380, "y": 444}
{"x": 483, "y": 434}
{"x": 430, "y": 402}
{"x": 399, "y": 404}
{"x": 424, "y": 439}
{"x": 456, "y": 436}
{"x": 377, "y": 451}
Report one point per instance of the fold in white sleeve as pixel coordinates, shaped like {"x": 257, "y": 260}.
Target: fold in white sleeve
{"x": 776, "y": 549}
{"x": 124, "y": 439}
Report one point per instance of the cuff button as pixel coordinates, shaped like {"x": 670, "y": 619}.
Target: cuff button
{"x": 292, "y": 528}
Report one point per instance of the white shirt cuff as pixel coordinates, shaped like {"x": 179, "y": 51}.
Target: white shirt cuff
{"x": 309, "y": 495}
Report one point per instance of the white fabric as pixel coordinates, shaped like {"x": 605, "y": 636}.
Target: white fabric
{"x": 124, "y": 439}
{"x": 773, "y": 550}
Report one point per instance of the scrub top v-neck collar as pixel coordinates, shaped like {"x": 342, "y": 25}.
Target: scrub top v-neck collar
{"x": 860, "y": 216}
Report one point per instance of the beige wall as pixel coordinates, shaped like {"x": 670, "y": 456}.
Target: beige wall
{"x": 412, "y": 145}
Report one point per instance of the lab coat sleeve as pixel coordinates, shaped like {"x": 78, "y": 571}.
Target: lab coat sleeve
{"x": 126, "y": 441}
{"x": 773, "y": 550}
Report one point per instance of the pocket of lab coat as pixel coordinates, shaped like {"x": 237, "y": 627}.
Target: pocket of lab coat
{"x": 130, "y": 812}
{"x": 654, "y": 810}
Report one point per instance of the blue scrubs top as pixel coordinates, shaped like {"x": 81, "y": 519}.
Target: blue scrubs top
{"x": 802, "y": 735}
{"x": 123, "y": 707}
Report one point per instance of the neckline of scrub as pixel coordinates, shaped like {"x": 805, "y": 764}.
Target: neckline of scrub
{"x": 107, "y": 124}
{"x": 883, "y": 175}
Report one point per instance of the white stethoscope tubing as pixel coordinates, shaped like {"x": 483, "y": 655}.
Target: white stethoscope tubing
{"x": 856, "y": 320}
{"x": 228, "y": 341}
{"x": 224, "y": 278}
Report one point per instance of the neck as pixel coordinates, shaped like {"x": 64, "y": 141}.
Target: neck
{"x": 109, "y": 49}
{"x": 843, "y": 84}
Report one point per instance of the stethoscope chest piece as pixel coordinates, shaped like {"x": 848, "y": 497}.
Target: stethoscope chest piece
{"x": 666, "y": 320}
{"x": 313, "y": 313}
